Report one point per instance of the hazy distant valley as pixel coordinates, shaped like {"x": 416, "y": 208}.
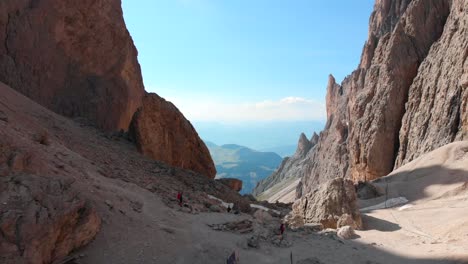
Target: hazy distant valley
{"x": 248, "y": 165}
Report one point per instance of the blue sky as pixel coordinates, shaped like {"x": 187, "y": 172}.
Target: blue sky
{"x": 247, "y": 60}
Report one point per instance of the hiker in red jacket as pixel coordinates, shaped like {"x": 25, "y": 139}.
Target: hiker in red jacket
{"x": 282, "y": 228}
{"x": 179, "y": 198}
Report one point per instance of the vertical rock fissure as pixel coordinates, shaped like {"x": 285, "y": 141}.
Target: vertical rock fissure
{"x": 456, "y": 112}
{"x": 18, "y": 236}
{"x": 7, "y": 35}
{"x": 421, "y": 58}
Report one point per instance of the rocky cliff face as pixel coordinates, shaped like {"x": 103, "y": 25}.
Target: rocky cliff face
{"x": 74, "y": 57}
{"x": 330, "y": 204}
{"x": 408, "y": 96}
{"x": 44, "y": 212}
{"x": 162, "y": 133}
{"x": 292, "y": 168}
{"x": 437, "y": 109}
{"x": 78, "y": 59}
{"x": 401, "y": 79}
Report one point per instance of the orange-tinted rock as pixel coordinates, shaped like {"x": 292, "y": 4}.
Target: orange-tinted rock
{"x": 43, "y": 219}
{"x": 57, "y": 177}
{"x": 161, "y": 132}
{"x": 74, "y": 57}
{"x": 234, "y": 184}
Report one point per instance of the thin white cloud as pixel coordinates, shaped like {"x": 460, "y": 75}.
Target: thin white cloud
{"x": 285, "y": 109}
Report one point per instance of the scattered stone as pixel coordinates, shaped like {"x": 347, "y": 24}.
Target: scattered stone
{"x": 281, "y": 242}
{"x": 314, "y": 227}
{"x": 262, "y": 217}
{"x": 244, "y": 226}
{"x": 214, "y": 208}
{"x": 151, "y": 187}
{"x": 168, "y": 230}
{"x": 43, "y": 138}
{"x": 109, "y": 204}
{"x": 136, "y": 206}
{"x": 3, "y": 117}
{"x": 232, "y": 183}
{"x": 346, "y": 232}
{"x": 253, "y": 242}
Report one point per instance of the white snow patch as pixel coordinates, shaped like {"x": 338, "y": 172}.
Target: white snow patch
{"x": 264, "y": 208}
{"x": 404, "y": 207}
{"x": 387, "y": 204}
{"x": 223, "y": 203}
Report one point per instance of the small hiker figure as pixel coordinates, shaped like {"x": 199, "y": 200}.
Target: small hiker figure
{"x": 179, "y": 198}
{"x": 229, "y": 208}
{"x": 282, "y": 228}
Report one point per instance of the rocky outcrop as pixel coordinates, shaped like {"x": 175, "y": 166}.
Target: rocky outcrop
{"x": 346, "y": 232}
{"x": 408, "y": 96}
{"x": 43, "y": 213}
{"x": 366, "y": 112}
{"x": 74, "y": 57}
{"x": 43, "y": 219}
{"x": 329, "y": 158}
{"x": 303, "y": 146}
{"x": 328, "y": 203}
{"x": 291, "y": 168}
{"x": 437, "y": 109}
{"x": 78, "y": 59}
{"x": 162, "y": 133}
{"x": 234, "y": 184}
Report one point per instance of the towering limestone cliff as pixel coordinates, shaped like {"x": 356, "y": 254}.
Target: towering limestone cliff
{"x": 366, "y": 112}
{"x": 78, "y": 59}
{"x": 408, "y": 96}
{"x": 74, "y": 57}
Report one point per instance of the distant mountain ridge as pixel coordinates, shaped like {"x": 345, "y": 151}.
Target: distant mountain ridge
{"x": 248, "y": 165}
{"x": 262, "y": 136}
{"x": 283, "y": 151}
{"x": 281, "y": 185}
